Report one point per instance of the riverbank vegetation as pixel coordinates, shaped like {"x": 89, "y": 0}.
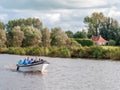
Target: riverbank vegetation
{"x": 29, "y": 37}
{"x": 96, "y": 52}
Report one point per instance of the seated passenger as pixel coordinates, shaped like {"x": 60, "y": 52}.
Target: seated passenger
{"x": 36, "y": 60}
{"x": 20, "y": 62}
{"x": 39, "y": 59}
{"x": 25, "y": 61}
{"x": 30, "y": 61}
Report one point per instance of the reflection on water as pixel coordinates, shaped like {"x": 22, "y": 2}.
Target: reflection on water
{"x": 63, "y": 74}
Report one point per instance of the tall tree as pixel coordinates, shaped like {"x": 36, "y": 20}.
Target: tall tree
{"x": 69, "y": 34}
{"x": 58, "y": 37}
{"x": 80, "y": 34}
{"x": 110, "y": 29}
{"x": 37, "y": 23}
{"x": 94, "y": 22}
{"x": 3, "y": 38}
{"x": 46, "y": 37}
{"x": 15, "y": 37}
{"x": 34, "y": 22}
{"x": 32, "y": 35}
{"x": 2, "y": 25}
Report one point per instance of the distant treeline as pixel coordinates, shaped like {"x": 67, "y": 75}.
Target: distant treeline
{"x": 28, "y": 36}
{"x": 30, "y": 32}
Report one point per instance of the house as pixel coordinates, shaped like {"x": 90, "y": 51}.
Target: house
{"x": 99, "y": 40}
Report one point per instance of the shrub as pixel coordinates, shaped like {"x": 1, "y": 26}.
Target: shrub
{"x": 85, "y": 42}
{"x": 111, "y": 43}
{"x": 54, "y": 51}
{"x": 97, "y": 52}
{"x": 115, "y": 54}
{"x": 16, "y": 50}
{"x": 75, "y": 51}
{"x": 59, "y": 52}
{"x": 35, "y": 51}
{"x": 3, "y": 50}
{"x": 85, "y": 52}
{"x": 64, "y": 52}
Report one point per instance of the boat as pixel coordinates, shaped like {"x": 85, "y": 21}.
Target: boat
{"x": 40, "y": 65}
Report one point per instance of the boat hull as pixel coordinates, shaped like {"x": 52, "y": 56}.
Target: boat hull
{"x": 41, "y": 66}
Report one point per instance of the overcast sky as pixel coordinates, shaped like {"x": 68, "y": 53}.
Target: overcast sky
{"x": 68, "y": 14}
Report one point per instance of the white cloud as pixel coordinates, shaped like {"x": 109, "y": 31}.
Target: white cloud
{"x": 68, "y": 14}
{"x": 85, "y": 3}
{"x": 52, "y": 18}
{"x": 114, "y": 12}
{"x": 3, "y": 17}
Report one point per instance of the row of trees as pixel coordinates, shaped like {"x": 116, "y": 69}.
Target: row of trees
{"x": 78, "y": 34}
{"x": 30, "y": 32}
{"x": 99, "y": 24}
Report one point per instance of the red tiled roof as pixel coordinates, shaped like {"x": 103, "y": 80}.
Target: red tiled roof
{"x": 98, "y": 39}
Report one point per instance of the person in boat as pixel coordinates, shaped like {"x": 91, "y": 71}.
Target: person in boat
{"x": 39, "y": 59}
{"x": 20, "y": 62}
{"x": 30, "y": 61}
{"x": 36, "y": 60}
{"x": 25, "y": 61}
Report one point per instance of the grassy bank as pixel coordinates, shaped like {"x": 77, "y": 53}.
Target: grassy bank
{"x": 95, "y": 52}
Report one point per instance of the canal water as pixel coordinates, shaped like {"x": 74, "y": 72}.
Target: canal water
{"x": 62, "y": 74}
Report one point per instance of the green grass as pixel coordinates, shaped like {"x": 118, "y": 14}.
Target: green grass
{"x": 110, "y": 47}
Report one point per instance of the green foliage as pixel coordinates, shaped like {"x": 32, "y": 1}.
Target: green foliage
{"x": 96, "y": 52}
{"x": 60, "y": 52}
{"x": 80, "y": 34}
{"x": 94, "y": 22}
{"x": 40, "y": 51}
{"x": 59, "y": 38}
{"x": 45, "y": 37}
{"x": 32, "y": 36}
{"x": 69, "y": 34}
{"x": 3, "y": 50}
{"x": 73, "y": 43}
{"x": 16, "y": 50}
{"x": 15, "y": 37}
{"x": 64, "y": 52}
{"x": 111, "y": 43}
{"x": 85, "y": 42}
{"x": 3, "y": 38}
{"x": 107, "y": 27}
{"x": 90, "y": 52}
{"x": 35, "y": 51}
{"x": 35, "y": 22}
{"x": 75, "y": 52}
{"x": 99, "y": 53}
{"x": 85, "y": 52}
{"x": 115, "y": 54}
{"x": 2, "y": 25}
{"x": 110, "y": 30}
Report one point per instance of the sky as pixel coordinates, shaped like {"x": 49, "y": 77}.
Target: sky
{"x": 67, "y": 14}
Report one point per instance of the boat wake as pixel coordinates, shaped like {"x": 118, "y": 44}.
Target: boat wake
{"x": 44, "y": 68}
{"x": 10, "y": 67}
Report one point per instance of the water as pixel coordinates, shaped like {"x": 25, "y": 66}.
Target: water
{"x": 62, "y": 74}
